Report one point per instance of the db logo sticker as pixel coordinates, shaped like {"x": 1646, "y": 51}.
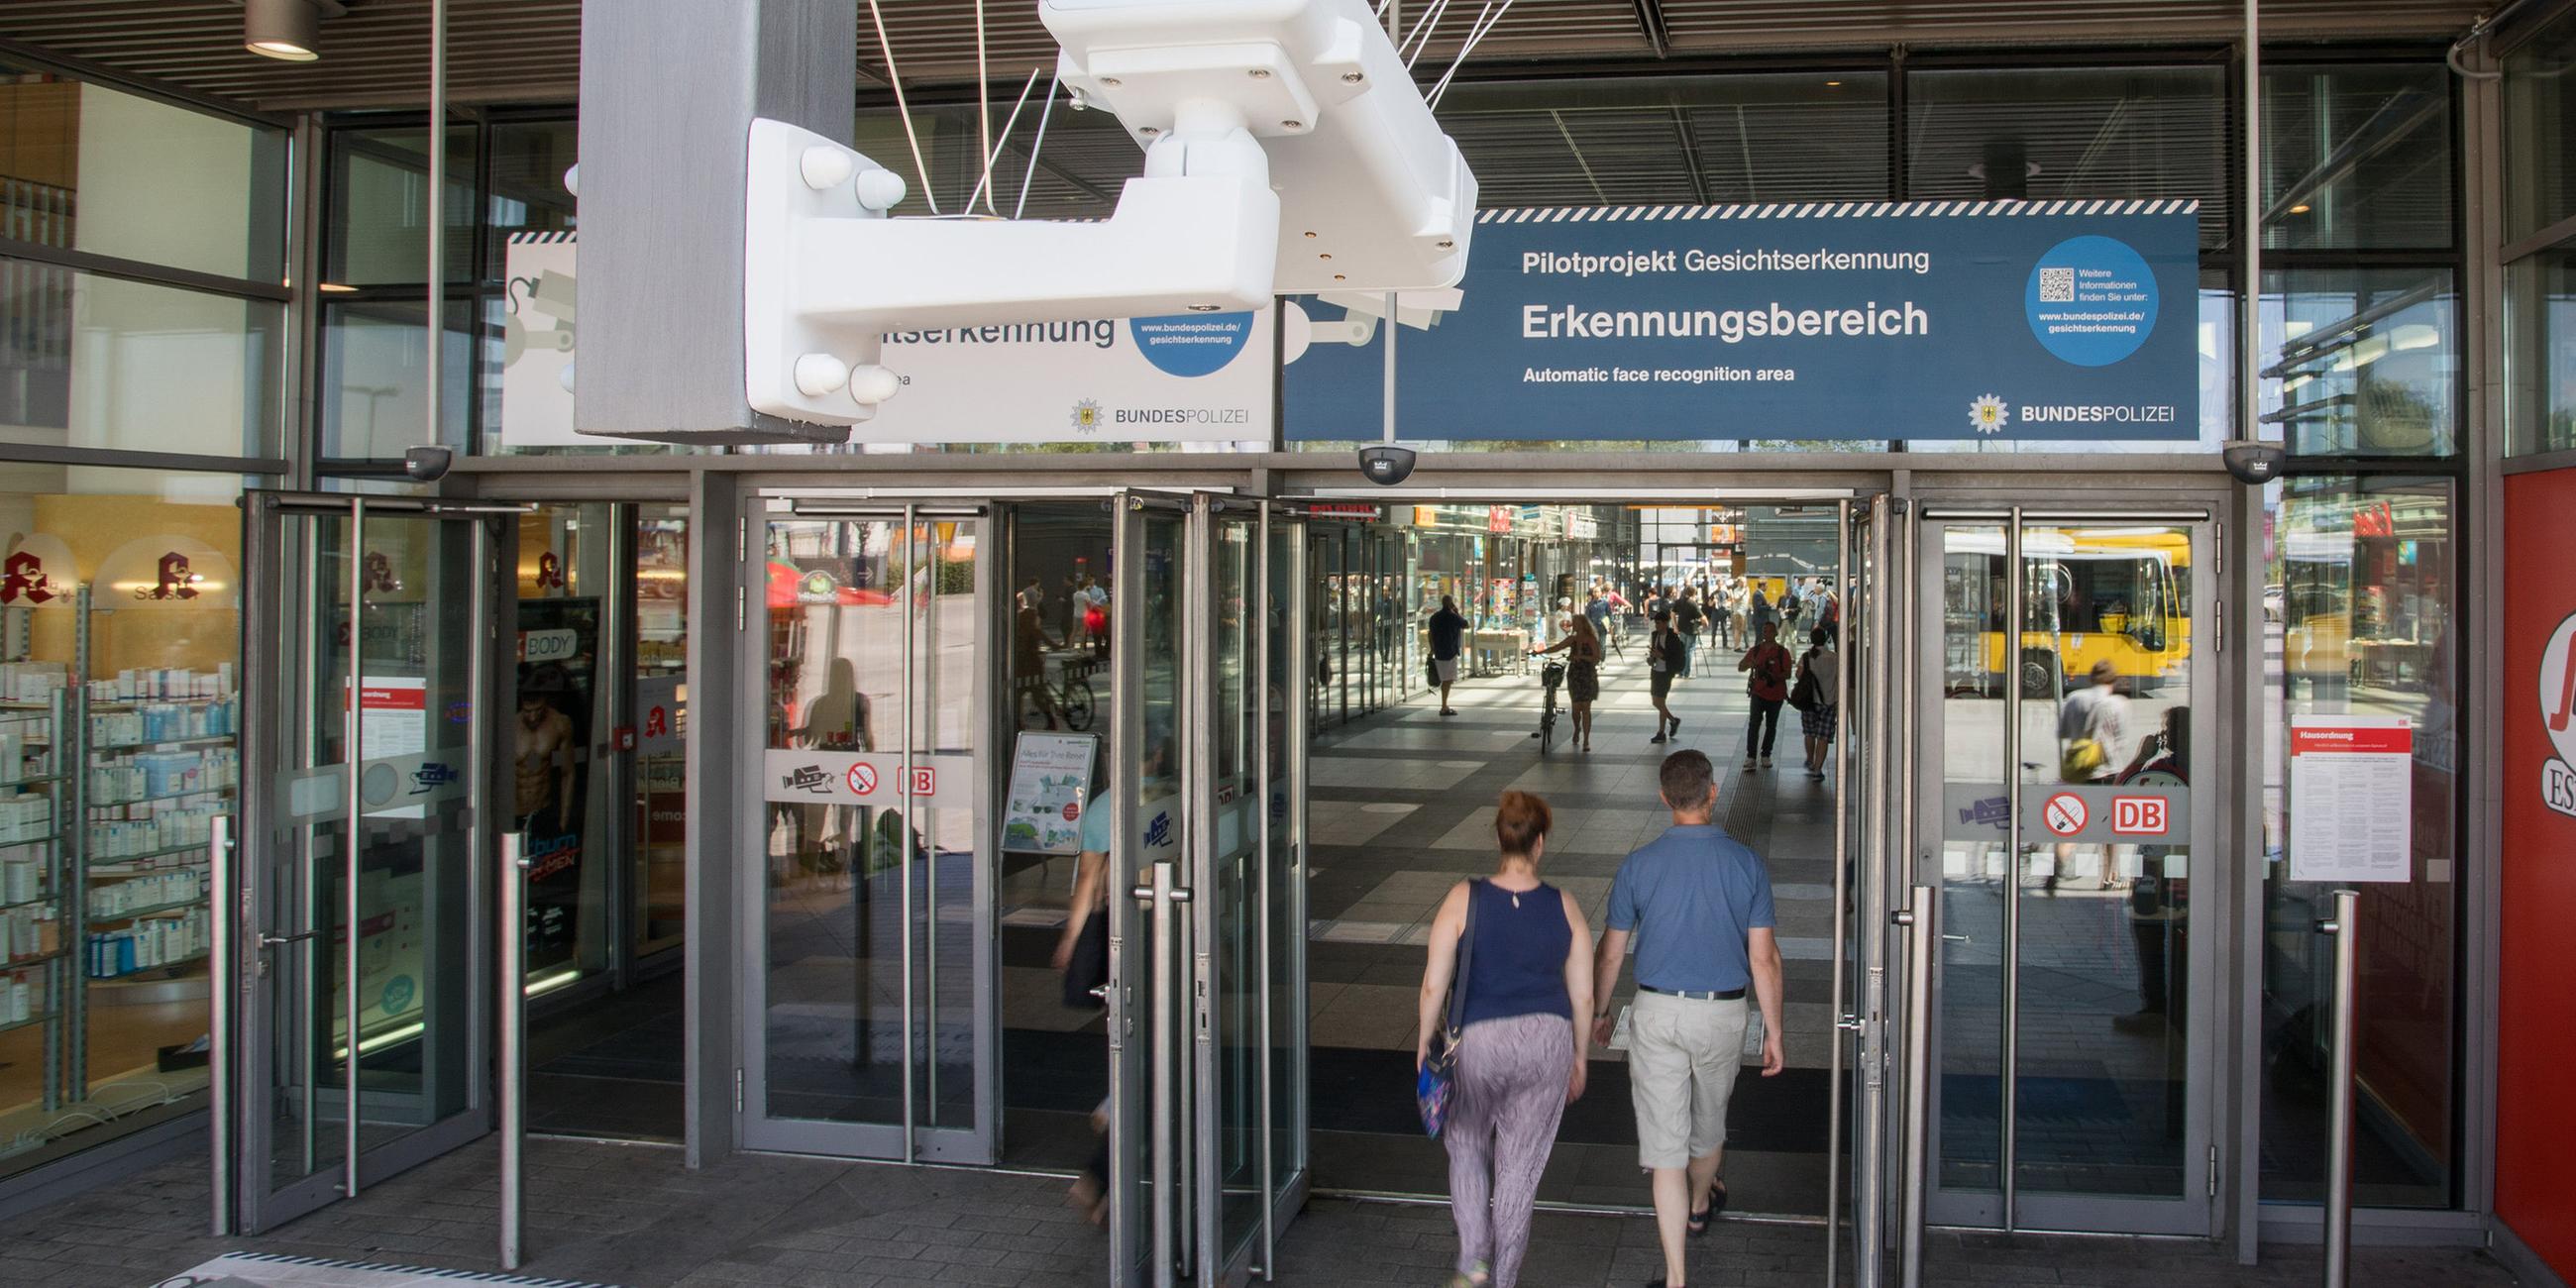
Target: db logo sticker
{"x": 925, "y": 782}
{"x": 2138, "y": 815}
{"x": 863, "y": 778}
{"x": 2558, "y": 717}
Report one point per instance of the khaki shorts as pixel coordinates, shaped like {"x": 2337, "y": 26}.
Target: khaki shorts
{"x": 1683, "y": 1055}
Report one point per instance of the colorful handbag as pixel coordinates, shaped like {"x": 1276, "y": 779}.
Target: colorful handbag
{"x": 1431, "y": 1087}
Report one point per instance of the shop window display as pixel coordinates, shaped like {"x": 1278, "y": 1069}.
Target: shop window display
{"x": 119, "y": 634}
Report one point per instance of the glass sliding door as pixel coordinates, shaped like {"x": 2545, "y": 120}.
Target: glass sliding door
{"x": 360, "y": 888}
{"x": 2070, "y": 1024}
{"x": 1208, "y": 951}
{"x": 870, "y": 1030}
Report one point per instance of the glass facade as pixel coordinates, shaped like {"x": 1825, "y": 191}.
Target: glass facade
{"x": 143, "y": 252}
{"x": 2361, "y": 359}
{"x": 2358, "y": 619}
{"x": 2540, "y": 202}
{"x": 120, "y": 608}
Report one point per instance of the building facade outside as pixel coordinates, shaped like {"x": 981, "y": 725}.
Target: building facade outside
{"x": 214, "y": 286}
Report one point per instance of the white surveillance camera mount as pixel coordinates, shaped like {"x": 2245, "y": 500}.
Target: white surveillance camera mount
{"x": 1287, "y": 150}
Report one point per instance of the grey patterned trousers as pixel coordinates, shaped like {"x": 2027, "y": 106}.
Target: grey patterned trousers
{"x": 1510, "y": 1091}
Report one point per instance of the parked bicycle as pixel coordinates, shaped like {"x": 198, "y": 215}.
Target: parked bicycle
{"x": 1071, "y": 693}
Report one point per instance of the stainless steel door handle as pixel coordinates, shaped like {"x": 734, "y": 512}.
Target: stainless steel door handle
{"x": 279, "y": 941}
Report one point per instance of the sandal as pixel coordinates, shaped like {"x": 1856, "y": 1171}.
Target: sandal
{"x": 1476, "y": 1278}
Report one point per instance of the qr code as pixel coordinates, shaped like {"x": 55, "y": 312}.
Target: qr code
{"x": 2057, "y": 286}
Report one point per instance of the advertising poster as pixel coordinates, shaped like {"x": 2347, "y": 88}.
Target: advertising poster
{"x": 2535, "y": 1045}
{"x": 549, "y": 765}
{"x": 1050, "y": 786}
{"x": 2060, "y": 320}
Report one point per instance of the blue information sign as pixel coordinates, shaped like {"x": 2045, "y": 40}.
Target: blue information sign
{"x": 2066, "y": 320}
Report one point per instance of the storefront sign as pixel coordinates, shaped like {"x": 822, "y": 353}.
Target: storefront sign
{"x": 2558, "y": 717}
{"x": 1193, "y": 377}
{"x": 2063, "y": 320}
{"x": 2536, "y": 867}
{"x": 2352, "y": 798}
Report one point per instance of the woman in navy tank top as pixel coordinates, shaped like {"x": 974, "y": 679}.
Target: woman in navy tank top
{"x": 1528, "y": 990}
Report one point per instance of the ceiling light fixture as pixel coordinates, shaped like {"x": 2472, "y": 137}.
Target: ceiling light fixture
{"x": 2300, "y": 209}
{"x": 286, "y": 30}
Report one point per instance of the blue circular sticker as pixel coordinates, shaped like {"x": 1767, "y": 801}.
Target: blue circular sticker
{"x": 398, "y": 995}
{"x": 1191, "y": 344}
{"x": 2091, "y": 300}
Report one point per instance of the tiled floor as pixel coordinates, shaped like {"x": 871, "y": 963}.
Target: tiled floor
{"x": 1371, "y": 896}
{"x": 633, "y": 1216}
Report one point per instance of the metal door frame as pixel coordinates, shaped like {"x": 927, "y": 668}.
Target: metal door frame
{"x": 281, "y": 618}
{"x": 907, "y": 1140}
{"x": 1173, "y": 1039}
{"x": 2186, "y": 1213}
{"x": 1868, "y": 834}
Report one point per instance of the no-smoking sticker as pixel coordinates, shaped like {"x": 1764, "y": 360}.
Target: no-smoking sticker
{"x": 863, "y": 778}
{"x": 2064, "y": 813}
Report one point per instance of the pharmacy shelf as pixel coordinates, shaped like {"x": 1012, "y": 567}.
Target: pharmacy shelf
{"x": 30, "y": 960}
{"x": 42, "y": 900}
{"x": 155, "y": 744}
{"x": 29, "y": 1022}
{"x": 102, "y": 868}
{"x": 172, "y": 964}
{"x": 130, "y": 914}
{"x": 224, "y": 792}
{"x": 128, "y": 704}
{"x": 112, "y": 869}
{"x": 14, "y": 784}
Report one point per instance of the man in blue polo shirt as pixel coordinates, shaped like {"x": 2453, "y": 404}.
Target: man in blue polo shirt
{"x": 1698, "y": 902}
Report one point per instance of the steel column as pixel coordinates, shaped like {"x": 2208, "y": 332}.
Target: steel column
{"x": 2345, "y": 928}
{"x": 1922, "y": 926}
{"x": 353, "y": 763}
{"x": 223, "y": 942}
{"x": 1842, "y": 918}
{"x": 513, "y": 1053}
{"x": 2010, "y": 1083}
{"x": 903, "y": 817}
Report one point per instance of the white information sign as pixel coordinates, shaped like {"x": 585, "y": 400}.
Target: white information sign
{"x": 1050, "y": 787}
{"x": 1195, "y": 377}
{"x": 2352, "y": 798}
{"x": 537, "y": 341}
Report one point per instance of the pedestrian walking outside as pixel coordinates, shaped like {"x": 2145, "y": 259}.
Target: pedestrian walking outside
{"x": 1768, "y": 666}
{"x": 1447, "y": 629}
{"x": 1528, "y": 997}
{"x": 1664, "y": 660}
{"x": 1818, "y": 673}
{"x": 1698, "y": 904}
{"x": 2092, "y": 737}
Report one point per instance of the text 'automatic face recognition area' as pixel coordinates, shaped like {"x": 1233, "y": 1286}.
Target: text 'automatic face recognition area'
{"x": 2040, "y": 320}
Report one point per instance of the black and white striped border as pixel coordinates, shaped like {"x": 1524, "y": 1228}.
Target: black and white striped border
{"x": 1835, "y": 210}
{"x": 418, "y": 1272}
{"x": 561, "y": 236}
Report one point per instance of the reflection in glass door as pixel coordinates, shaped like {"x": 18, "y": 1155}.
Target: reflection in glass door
{"x": 869, "y": 1033}
{"x": 361, "y": 960}
{"x": 2070, "y": 1028}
